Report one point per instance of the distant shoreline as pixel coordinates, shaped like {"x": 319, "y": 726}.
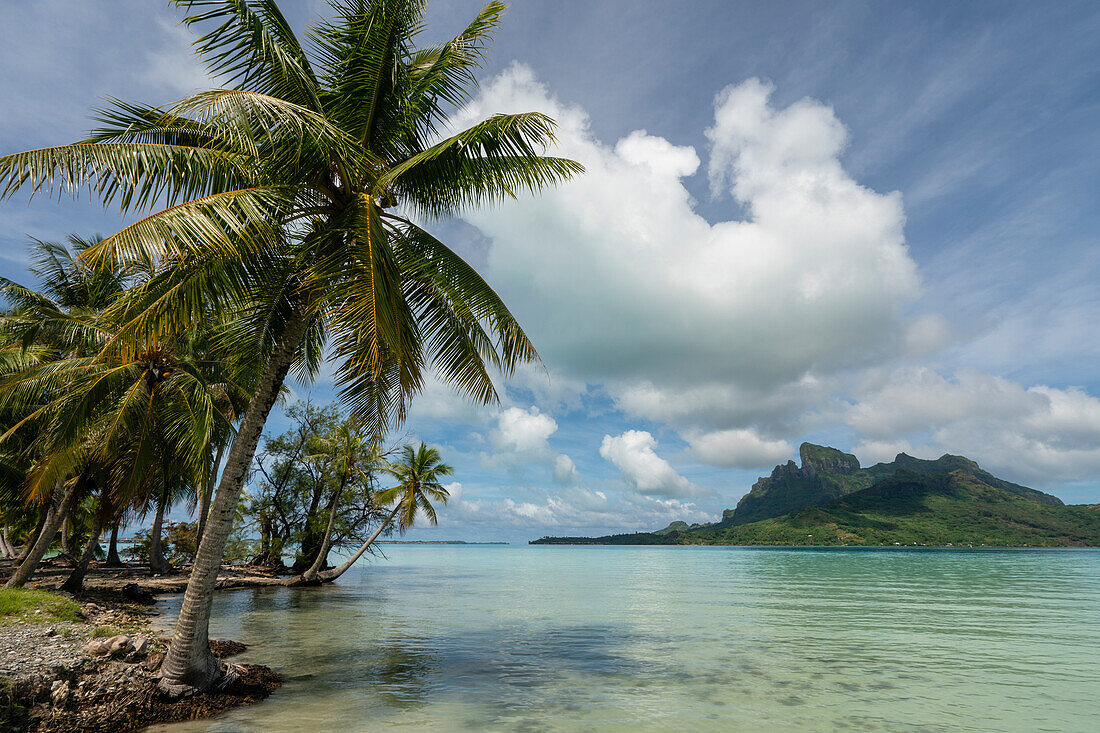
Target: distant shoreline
{"x": 432, "y": 542}
{"x": 817, "y": 547}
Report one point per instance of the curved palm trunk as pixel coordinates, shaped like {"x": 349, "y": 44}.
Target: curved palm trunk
{"x": 53, "y": 521}
{"x": 204, "y": 508}
{"x": 189, "y": 666}
{"x": 157, "y": 563}
{"x": 75, "y": 582}
{"x": 328, "y": 576}
{"x": 207, "y": 491}
{"x": 113, "y": 560}
{"x": 43, "y": 517}
{"x": 309, "y": 577}
{"x": 312, "y": 540}
{"x": 66, "y": 552}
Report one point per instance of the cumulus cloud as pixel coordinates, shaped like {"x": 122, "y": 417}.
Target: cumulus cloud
{"x": 661, "y": 302}
{"x": 1037, "y": 433}
{"x": 523, "y": 431}
{"x": 565, "y": 471}
{"x": 574, "y": 510}
{"x": 647, "y": 473}
{"x": 521, "y": 438}
{"x": 740, "y": 448}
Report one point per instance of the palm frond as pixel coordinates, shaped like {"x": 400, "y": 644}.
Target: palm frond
{"x": 137, "y": 174}
{"x": 253, "y": 47}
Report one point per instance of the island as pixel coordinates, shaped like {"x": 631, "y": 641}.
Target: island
{"x": 830, "y": 500}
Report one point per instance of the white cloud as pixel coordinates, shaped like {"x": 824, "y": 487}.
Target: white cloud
{"x": 871, "y": 452}
{"x": 739, "y": 447}
{"x": 620, "y": 282}
{"x": 634, "y": 455}
{"x": 441, "y": 401}
{"x": 575, "y": 510}
{"x": 523, "y": 431}
{"x": 520, "y": 440}
{"x": 565, "y": 471}
{"x": 1039, "y": 434}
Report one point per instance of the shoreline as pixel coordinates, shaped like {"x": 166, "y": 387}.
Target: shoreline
{"x": 89, "y": 662}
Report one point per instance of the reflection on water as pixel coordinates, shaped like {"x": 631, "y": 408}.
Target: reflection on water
{"x": 676, "y": 638}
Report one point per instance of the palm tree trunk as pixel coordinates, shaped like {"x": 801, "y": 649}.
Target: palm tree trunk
{"x": 327, "y": 576}
{"x": 309, "y": 577}
{"x": 5, "y": 544}
{"x": 65, "y": 550}
{"x": 113, "y": 560}
{"x": 189, "y": 665}
{"x": 60, "y": 511}
{"x": 43, "y": 516}
{"x": 311, "y": 540}
{"x": 75, "y": 582}
{"x": 157, "y": 563}
{"x": 204, "y": 499}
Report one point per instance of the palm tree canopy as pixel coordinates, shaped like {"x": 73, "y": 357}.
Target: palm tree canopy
{"x": 138, "y": 411}
{"x": 417, "y": 472}
{"x": 300, "y": 189}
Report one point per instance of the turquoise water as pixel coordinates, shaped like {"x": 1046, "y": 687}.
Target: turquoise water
{"x": 518, "y": 638}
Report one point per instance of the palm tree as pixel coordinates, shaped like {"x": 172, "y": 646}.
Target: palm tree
{"x": 128, "y": 419}
{"x": 300, "y": 190}
{"x": 417, "y": 473}
{"x": 349, "y": 454}
{"x": 56, "y": 323}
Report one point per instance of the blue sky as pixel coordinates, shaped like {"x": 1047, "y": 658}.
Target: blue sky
{"x": 871, "y": 225}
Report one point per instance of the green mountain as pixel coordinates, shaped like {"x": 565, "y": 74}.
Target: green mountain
{"x": 827, "y": 474}
{"x": 907, "y": 508}
{"x": 830, "y": 500}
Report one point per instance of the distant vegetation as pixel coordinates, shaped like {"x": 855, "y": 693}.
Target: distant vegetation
{"x": 830, "y": 500}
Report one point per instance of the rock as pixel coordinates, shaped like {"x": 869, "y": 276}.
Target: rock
{"x": 137, "y": 594}
{"x": 141, "y": 645}
{"x": 118, "y": 644}
{"x": 59, "y": 694}
{"x": 96, "y": 648}
{"x": 819, "y": 458}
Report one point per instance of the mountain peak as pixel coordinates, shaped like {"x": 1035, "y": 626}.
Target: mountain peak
{"x": 819, "y": 458}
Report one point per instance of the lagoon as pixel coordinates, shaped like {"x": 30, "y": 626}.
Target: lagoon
{"x": 550, "y": 638}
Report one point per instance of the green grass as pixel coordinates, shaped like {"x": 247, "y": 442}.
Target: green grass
{"x": 36, "y": 606}
{"x": 105, "y": 632}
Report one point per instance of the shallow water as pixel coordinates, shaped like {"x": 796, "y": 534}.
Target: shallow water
{"x": 542, "y": 638}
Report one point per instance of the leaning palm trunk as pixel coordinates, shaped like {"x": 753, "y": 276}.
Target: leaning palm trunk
{"x": 75, "y": 582}
{"x": 65, "y": 532}
{"x": 189, "y": 666}
{"x": 309, "y": 577}
{"x": 328, "y": 576}
{"x": 157, "y": 563}
{"x": 43, "y": 517}
{"x": 58, "y": 512}
{"x": 204, "y": 508}
{"x": 113, "y": 560}
{"x": 207, "y": 491}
